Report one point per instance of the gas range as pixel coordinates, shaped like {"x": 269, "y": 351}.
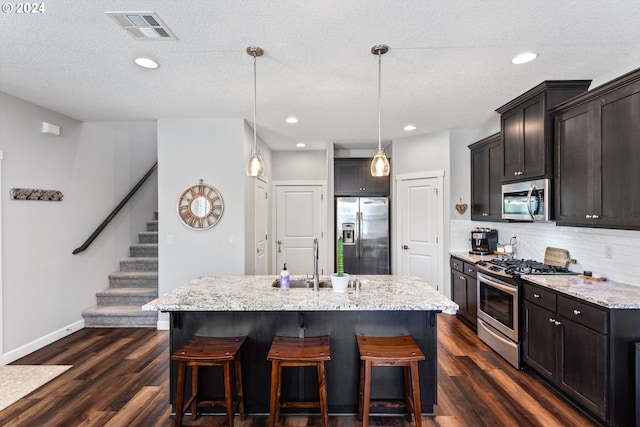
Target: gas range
{"x": 510, "y": 269}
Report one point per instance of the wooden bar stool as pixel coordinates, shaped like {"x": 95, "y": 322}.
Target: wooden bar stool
{"x": 390, "y": 351}
{"x": 208, "y": 351}
{"x": 287, "y": 352}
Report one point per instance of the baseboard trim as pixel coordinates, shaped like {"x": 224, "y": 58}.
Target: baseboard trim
{"x": 162, "y": 325}
{"x": 13, "y": 355}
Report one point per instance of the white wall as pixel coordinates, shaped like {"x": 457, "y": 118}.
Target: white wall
{"x": 214, "y": 150}
{"x": 45, "y": 287}
{"x": 302, "y": 165}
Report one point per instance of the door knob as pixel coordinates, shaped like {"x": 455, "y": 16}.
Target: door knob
{"x": 405, "y": 247}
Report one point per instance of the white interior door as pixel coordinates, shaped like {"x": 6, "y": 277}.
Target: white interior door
{"x": 419, "y": 229}
{"x": 261, "y": 219}
{"x": 298, "y": 222}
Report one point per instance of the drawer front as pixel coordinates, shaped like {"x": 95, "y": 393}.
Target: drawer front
{"x": 539, "y": 296}
{"x": 470, "y": 269}
{"x": 584, "y": 314}
{"x": 456, "y": 264}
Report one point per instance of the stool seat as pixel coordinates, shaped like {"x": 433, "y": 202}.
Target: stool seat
{"x": 389, "y": 351}
{"x": 296, "y": 352}
{"x": 209, "y": 351}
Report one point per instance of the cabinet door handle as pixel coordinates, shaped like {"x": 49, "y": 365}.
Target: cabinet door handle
{"x": 552, "y": 320}
{"x": 279, "y": 244}
{"x": 595, "y": 216}
{"x": 536, "y": 296}
{"x": 461, "y": 277}
{"x": 588, "y": 216}
{"x": 577, "y": 312}
{"x": 485, "y": 214}
{"x": 558, "y": 323}
{"x": 406, "y": 247}
{"x": 470, "y": 271}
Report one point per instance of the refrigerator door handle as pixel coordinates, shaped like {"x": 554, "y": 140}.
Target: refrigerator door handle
{"x": 359, "y": 241}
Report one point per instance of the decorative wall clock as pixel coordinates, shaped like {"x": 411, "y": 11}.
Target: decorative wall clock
{"x": 200, "y": 206}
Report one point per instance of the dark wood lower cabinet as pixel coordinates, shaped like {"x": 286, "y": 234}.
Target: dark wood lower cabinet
{"x": 586, "y": 351}
{"x": 582, "y": 359}
{"x": 464, "y": 290}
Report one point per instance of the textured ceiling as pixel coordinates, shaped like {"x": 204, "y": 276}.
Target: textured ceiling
{"x": 448, "y": 66}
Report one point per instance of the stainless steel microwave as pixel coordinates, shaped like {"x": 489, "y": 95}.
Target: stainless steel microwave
{"x": 527, "y": 201}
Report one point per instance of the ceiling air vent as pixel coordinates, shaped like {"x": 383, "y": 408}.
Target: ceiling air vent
{"x": 143, "y": 25}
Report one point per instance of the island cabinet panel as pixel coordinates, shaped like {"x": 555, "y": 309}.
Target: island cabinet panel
{"x": 352, "y": 177}
{"x": 464, "y": 290}
{"x": 486, "y": 179}
{"x": 527, "y": 129}
{"x": 301, "y": 383}
{"x": 597, "y": 145}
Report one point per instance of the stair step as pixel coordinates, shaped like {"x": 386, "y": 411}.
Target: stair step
{"x": 119, "y": 316}
{"x": 148, "y": 237}
{"x": 143, "y": 250}
{"x": 152, "y": 225}
{"x": 133, "y": 279}
{"x": 139, "y": 264}
{"x": 126, "y": 296}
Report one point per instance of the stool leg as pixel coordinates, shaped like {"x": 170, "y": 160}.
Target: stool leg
{"x": 360, "y": 391}
{"x": 407, "y": 391}
{"x": 228, "y": 398}
{"x": 275, "y": 388}
{"x": 194, "y": 391}
{"x": 180, "y": 393}
{"x": 367, "y": 393}
{"x": 322, "y": 383}
{"x": 415, "y": 382}
{"x": 238, "y": 365}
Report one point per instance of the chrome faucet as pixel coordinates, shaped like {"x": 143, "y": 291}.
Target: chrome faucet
{"x": 316, "y": 278}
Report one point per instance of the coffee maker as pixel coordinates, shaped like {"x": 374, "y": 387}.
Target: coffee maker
{"x": 484, "y": 241}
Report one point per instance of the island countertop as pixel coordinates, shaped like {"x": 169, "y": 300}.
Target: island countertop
{"x": 256, "y": 293}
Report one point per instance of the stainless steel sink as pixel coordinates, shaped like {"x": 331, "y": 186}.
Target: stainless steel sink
{"x": 302, "y": 283}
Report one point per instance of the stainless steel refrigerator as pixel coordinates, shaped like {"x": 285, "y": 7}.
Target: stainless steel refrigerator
{"x": 363, "y": 223}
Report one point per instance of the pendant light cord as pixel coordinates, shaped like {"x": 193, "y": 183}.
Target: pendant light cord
{"x": 379, "y": 96}
{"x": 255, "y": 102}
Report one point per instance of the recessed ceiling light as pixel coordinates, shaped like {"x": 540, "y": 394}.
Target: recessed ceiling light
{"x": 301, "y": 145}
{"x": 525, "y": 57}
{"x": 146, "y": 63}
{"x": 291, "y": 120}
{"x": 409, "y": 128}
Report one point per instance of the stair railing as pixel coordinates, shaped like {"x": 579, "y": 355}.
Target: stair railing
{"x": 117, "y": 209}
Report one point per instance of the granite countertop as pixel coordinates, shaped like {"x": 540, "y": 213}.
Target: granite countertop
{"x": 608, "y": 294}
{"x": 466, "y": 256}
{"x": 255, "y": 293}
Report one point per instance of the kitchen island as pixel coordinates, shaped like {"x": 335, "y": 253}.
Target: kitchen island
{"x": 251, "y": 306}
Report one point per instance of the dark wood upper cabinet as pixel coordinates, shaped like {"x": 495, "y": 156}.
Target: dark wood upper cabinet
{"x": 527, "y": 129}
{"x": 597, "y": 146}
{"x": 352, "y": 177}
{"x": 486, "y": 179}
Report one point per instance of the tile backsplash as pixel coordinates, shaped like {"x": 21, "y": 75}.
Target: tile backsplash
{"x": 613, "y": 253}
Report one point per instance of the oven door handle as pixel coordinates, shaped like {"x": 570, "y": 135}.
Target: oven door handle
{"x": 511, "y": 290}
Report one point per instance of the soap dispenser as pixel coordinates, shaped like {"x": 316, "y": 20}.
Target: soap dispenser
{"x": 284, "y": 277}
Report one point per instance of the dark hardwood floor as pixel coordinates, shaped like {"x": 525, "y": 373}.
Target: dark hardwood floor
{"x": 120, "y": 377}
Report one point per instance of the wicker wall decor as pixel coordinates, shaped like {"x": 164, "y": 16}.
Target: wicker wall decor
{"x": 36, "y": 194}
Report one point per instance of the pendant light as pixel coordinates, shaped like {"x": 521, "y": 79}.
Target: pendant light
{"x": 255, "y": 165}
{"x": 380, "y": 163}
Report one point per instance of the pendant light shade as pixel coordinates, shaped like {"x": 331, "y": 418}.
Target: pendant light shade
{"x": 255, "y": 165}
{"x": 380, "y": 163}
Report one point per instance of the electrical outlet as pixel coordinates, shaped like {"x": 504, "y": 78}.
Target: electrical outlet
{"x": 608, "y": 252}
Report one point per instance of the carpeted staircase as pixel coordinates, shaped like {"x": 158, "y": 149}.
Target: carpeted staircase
{"x": 133, "y": 286}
